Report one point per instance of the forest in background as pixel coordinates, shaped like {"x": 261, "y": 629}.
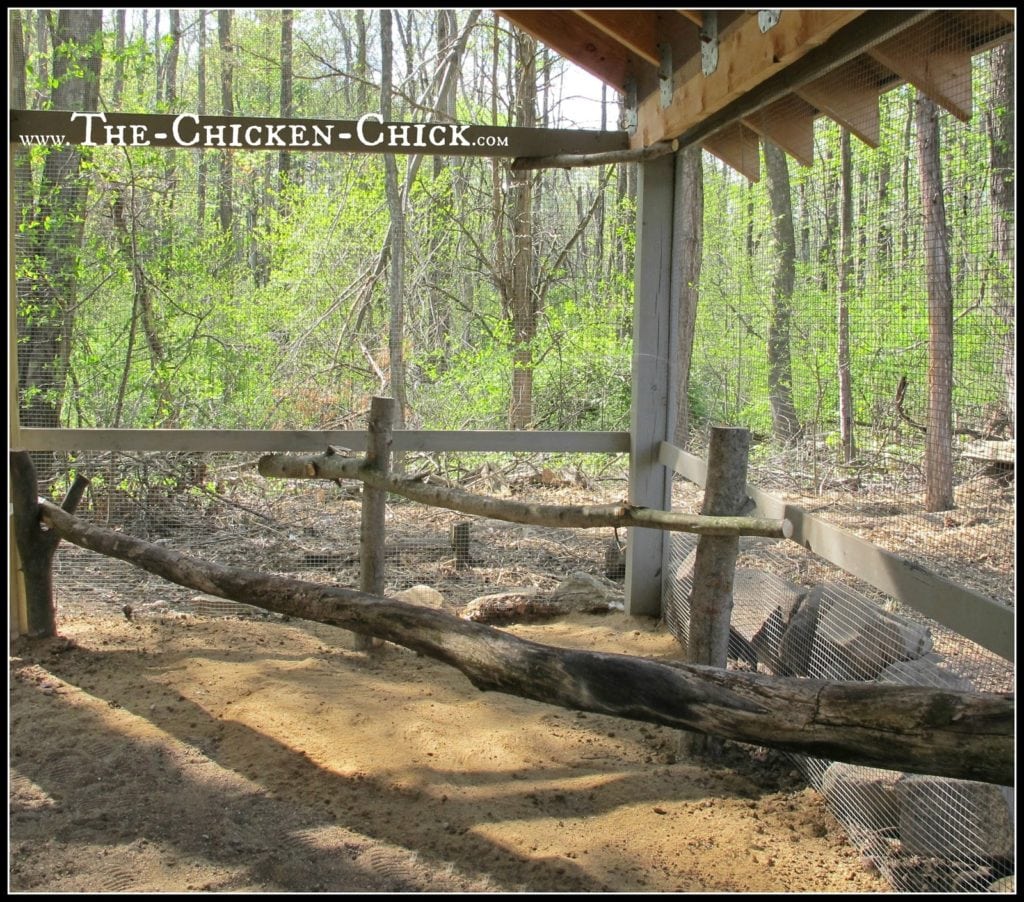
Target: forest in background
{"x": 249, "y": 289}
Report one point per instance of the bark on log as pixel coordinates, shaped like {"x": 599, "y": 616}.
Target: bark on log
{"x": 333, "y": 467}
{"x": 909, "y": 728}
{"x": 575, "y": 160}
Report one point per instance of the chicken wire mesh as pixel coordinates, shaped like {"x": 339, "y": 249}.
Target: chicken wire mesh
{"x": 796, "y": 615}
{"x": 878, "y": 315}
{"x": 218, "y": 508}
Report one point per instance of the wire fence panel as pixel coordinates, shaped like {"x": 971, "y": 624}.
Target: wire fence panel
{"x": 852, "y": 312}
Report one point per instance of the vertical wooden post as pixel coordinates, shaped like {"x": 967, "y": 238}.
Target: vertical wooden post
{"x": 460, "y": 545}
{"x": 714, "y": 567}
{"x": 650, "y": 483}
{"x": 372, "y": 531}
{"x": 36, "y": 546}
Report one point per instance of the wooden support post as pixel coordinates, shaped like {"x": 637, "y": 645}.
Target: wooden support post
{"x": 650, "y": 484}
{"x": 372, "y": 532}
{"x": 714, "y": 568}
{"x": 460, "y": 545}
{"x": 37, "y": 546}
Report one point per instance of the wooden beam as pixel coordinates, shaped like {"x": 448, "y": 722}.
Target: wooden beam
{"x": 635, "y": 32}
{"x": 693, "y": 15}
{"x": 746, "y": 58}
{"x": 935, "y": 57}
{"x": 739, "y": 147}
{"x": 849, "y": 95}
{"x": 581, "y": 41}
{"x": 650, "y": 485}
{"x": 976, "y": 617}
{"x": 790, "y": 124}
{"x": 316, "y": 440}
{"x": 315, "y": 135}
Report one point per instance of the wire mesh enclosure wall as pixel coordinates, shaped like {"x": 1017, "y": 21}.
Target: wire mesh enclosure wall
{"x": 796, "y": 615}
{"x": 251, "y": 288}
{"x": 858, "y": 317}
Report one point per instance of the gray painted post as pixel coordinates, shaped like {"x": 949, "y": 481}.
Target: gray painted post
{"x": 714, "y": 566}
{"x": 372, "y": 532}
{"x": 650, "y": 484}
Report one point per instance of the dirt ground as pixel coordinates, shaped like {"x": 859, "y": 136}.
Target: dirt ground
{"x": 174, "y": 752}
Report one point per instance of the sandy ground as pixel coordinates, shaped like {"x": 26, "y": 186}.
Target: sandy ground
{"x": 176, "y": 753}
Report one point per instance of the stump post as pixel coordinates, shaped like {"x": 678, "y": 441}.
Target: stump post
{"x": 372, "y": 531}
{"x": 460, "y": 545}
{"x": 714, "y": 569}
{"x": 35, "y": 545}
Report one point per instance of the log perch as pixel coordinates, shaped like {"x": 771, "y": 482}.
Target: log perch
{"x": 333, "y": 466}
{"x": 948, "y": 733}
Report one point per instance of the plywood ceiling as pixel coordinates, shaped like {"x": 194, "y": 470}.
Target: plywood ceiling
{"x": 727, "y": 78}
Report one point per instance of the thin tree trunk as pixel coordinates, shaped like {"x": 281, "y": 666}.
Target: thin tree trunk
{"x": 522, "y": 302}
{"x": 689, "y": 239}
{"x": 1004, "y": 233}
{"x": 118, "y": 89}
{"x": 845, "y": 260}
{"x": 938, "y": 454}
{"x": 396, "y": 210}
{"x": 785, "y": 425}
{"x": 227, "y": 108}
{"x": 287, "y": 104}
{"x": 201, "y": 111}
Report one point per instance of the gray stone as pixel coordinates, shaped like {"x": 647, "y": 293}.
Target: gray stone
{"x": 955, "y": 819}
{"x": 856, "y": 640}
{"x": 421, "y": 596}
{"x": 924, "y": 671}
{"x": 581, "y": 592}
{"x": 863, "y": 795}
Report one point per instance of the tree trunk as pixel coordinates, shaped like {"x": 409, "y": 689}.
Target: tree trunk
{"x": 938, "y": 453}
{"x": 396, "y": 211}
{"x": 964, "y": 735}
{"x": 201, "y": 111}
{"x": 845, "y": 263}
{"x": 47, "y": 305}
{"x": 522, "y": 300}
{"x": 1001, "y": 193}
{"x": 287, "y": 106}
{"x": 785, "y": 425}
{"x": 227, "y": 108}
{"x": 118, "y": 89}
{"x": 689, "y": 231}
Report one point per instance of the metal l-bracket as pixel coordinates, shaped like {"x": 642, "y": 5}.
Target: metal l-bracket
{"x": 629, "y": 106}
{"x": 768, "y": 19}
{"x": 665, "y": 74}
{"x": 709, "y": 42}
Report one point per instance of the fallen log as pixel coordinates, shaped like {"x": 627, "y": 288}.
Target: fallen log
{"x": 908, "y": 728}
{"x": 334, "y": 466}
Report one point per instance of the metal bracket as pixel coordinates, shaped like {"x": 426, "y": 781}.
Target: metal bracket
{"x": 665, "y": 74}
{"x": 768, "y": 19}
{"x": 709, "y": 42}
{"x": 630, "y": 107}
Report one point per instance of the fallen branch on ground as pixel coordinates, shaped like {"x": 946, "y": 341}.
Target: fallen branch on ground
{"x": 947, "y": 733}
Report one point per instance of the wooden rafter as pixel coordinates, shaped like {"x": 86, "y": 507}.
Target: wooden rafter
{"x": 935, "y": 57}
{"x": 581, "y": 41}
{"x": 637, "y": 34}
{"x": 849, "y": 95}
{"x": 790, "y": 124}
{"x": 738, "y": 147}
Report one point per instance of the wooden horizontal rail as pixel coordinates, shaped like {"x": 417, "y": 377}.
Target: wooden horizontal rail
{"x": 334, "y": 466}
{"x": 34, "y": 439}
{"x": 980, "y": 619}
